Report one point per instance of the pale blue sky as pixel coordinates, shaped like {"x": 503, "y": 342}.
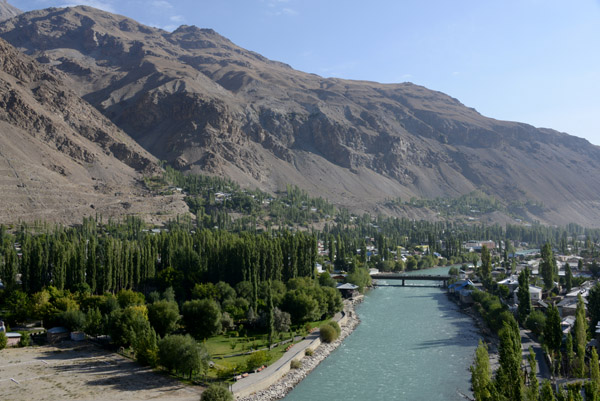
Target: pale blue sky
{"x": 533, "y": 61}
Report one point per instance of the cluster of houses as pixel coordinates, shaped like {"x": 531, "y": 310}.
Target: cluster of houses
{"x": 566, "y": 302}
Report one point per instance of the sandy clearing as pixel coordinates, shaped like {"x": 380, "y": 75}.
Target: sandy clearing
{"x": 82, "y": 371}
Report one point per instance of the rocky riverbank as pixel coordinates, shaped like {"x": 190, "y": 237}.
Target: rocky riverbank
{"x": 488, "y": 337}
{"x": 289, "y": 381}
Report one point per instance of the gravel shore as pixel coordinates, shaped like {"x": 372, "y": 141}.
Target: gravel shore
{"x": 289, "y": 381}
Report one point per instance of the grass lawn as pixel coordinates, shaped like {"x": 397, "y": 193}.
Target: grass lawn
{"x": 239, "y": 362}
{"x": 221, "y": 346}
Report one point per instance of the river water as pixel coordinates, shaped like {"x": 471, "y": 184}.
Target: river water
{"x": 413, "y": 343}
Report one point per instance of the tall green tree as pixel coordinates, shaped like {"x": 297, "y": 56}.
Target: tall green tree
{"x": 486, "y": 263}
{"x": 202, "y": 317}
{"x": 546, "y": 392}
{"x": 8, "y": 266}
{"x": 509, "y": 381}
{"x": 568, "y": 277}
{"x": 580, "y": 338}
{"x": 270, "y": 314}
{"x": 533, "y": 386}
{"x": 593, "y": 307}
{"x": 552, "y": 331}
{"x": 481, "y": 374}
{"x": 164, "y": 317}
{"x": 548, "y": 266}
{"x": 570, "y": 355}
{"x": 524, "y": 308}
{"x": 145, "y": 347}
{"x": 595, "y": 370}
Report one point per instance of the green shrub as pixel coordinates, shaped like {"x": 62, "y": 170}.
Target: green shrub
{"x": 328, "y": 333}
{"x": 257, "y": 359}
{"x": 3, "y": 340}
{"x": 295, "y": 364}
{"x": 335, "y": 326}
{"x": 216, "y": 393}
{"x": 25, "y": 340}
{"x": 308, "y": 352}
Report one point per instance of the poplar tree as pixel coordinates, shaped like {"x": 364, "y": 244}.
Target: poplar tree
{"x": 270, "y": 314}
{"x": 568, "y": 277}
{"x": 9, "y": 267}
{"x": 509, "y": 381}
{"x": 569, "y": 354}
{"x": 486, "y": 263}
{"x": 593, "y": 307}
{"x": 595, "y": 370}
{"x": 546, "y": 393}
{"x": 580, "y": 336}
{"x": 524, "y": 308}
{"x": 552, "y": 331}
{"x": 548, "y": 266}
{"x": 481, "y": 373}
{"x": 533, "y": 387}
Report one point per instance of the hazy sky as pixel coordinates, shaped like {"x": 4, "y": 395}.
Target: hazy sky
{"x": 534, "y": 61}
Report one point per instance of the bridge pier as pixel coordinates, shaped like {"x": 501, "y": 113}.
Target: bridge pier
{"x": 403, "y": 283}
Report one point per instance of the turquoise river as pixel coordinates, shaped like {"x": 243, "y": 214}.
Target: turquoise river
{"x": 413, "y": 343}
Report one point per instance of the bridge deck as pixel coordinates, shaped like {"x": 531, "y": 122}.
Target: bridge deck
{"x": 411, "y": 277}
{"x": 406, "y": 277}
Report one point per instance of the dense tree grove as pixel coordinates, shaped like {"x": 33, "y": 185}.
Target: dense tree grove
{"x": 159, "y": 294}
{"x": 109, "y": 258}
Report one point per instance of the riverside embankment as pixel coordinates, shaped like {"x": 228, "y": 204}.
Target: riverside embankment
{"x": 278, "y": 379}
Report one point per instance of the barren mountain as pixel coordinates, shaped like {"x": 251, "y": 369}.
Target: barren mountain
{"x": 194, "y": 98}
{"x": 8, "y": 11}
{"x": 60, "y": 159}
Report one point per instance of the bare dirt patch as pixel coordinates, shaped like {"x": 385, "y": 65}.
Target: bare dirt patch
{"x": 82, "y": 371}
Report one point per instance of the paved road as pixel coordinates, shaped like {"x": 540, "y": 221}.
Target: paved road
{"x": 543, "y": 371}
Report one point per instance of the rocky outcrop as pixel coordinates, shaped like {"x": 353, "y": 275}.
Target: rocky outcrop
{"x": 195, "y": 99}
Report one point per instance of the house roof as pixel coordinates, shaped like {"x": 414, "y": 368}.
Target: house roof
{"x": 509, "y": 281}
{"x": 347, "y": 286}
{"x": 570, "y": 302}
{"x": 460, "y": 284}
{"x": 532, "y": 289}
{"x": 58, "y": 330}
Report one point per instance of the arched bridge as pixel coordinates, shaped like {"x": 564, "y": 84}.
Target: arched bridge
{"x": 407, "y": 277}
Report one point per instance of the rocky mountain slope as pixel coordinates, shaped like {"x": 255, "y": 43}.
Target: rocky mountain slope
{"x": 194, "y": 98}
{"x": 8, "y": 11}
{"x": 60, "y": 159}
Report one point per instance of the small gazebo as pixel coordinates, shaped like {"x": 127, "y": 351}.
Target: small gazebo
{"x": 348, "y": 290}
